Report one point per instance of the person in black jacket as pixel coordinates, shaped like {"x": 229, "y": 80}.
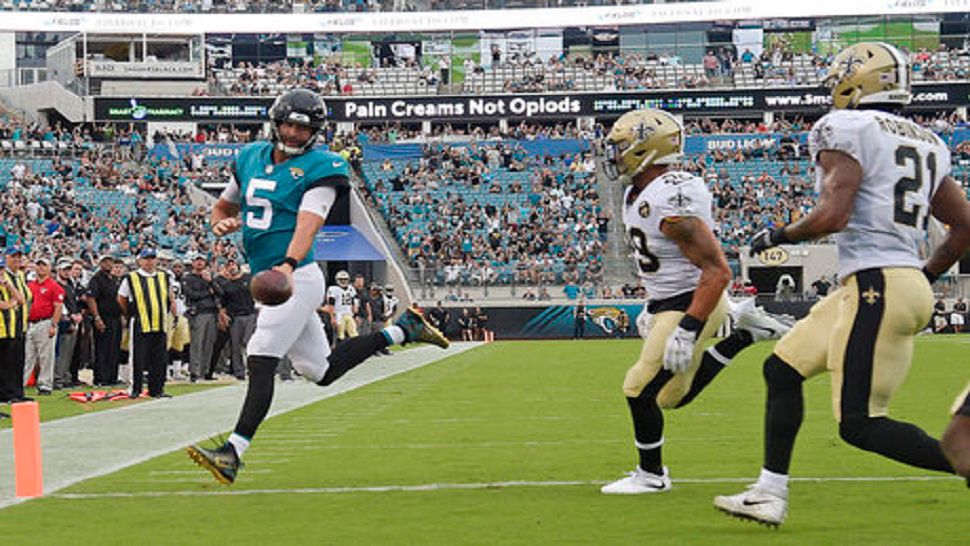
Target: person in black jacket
{"x": 439, "y": 318}
{"x": 68, "y": 326}
{"x": 233, "y": 289}
{"x": 201, "y": 308}
{"x": 103, "y": 305}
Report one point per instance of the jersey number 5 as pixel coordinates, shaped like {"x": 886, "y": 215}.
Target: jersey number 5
{"x": 646, "y": 261}
{"x": 262, "y": 218}
{"x": 910, "y": 215}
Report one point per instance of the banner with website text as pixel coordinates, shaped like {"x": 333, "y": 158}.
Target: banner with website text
{"x": 541, "y": 106}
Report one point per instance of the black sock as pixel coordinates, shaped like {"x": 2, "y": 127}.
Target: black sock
{"x": 648, "y": 423}
{"x": 713, "y": 361}
{"x": 899, "y": 441}
{"x": 350, "y": 353}
{"x": 648, "y": 428}
{"x": 259, "y": 394}
{"x": 783, "y": 413}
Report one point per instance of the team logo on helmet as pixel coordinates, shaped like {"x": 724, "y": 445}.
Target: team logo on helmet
{"x": 644, "y": 209}
{"x": 869, "y": 73}
{"x": 642, "y": 138}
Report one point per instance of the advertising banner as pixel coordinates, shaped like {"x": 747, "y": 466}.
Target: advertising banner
{"x": 457, "y": 108}
{"x": 147, "y": 70}
{"x": 213, "y": 153}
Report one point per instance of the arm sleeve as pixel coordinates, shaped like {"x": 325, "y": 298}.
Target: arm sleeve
{"x": 231, "y": 193}
{"x": 92, "y": 289}
{"x": 319, "y": 200}
{"x": 123, "y": 290}
{"x": 838, "y": 132}
{"x": 681, "y": 199}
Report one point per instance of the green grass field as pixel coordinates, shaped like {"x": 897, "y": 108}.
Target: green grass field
{"x": 549, "y": 414}
{"x": 58, "y": 405}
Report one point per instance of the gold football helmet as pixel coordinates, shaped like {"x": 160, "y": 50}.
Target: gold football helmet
{"x": 641, "y": 138}
{"x": 869, "y": 73}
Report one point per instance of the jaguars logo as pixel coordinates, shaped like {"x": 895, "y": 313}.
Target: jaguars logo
{"x": 644, "y": 209}
{"x": 296, "y": 173}
{"x": 611, "y": 320}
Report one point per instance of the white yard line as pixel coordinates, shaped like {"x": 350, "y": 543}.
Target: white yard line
{"x": 85, "y": 446}
{"x": 418, "y": 488}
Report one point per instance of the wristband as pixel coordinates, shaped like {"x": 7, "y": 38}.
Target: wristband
{"x": 691, "y": 324}
{"x": 930, "y": 276}
{"x": 779, "y": 237}
{"x": 290, "y": 261}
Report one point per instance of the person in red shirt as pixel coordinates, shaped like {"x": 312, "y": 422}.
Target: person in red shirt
{"x": 45, "y": 313}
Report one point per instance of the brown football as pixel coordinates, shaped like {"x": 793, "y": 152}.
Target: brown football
{"x": 270, "y": 287}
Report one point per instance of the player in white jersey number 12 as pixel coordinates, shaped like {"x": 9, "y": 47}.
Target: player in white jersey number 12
{"x": 879, "y": 176}
{"x": 668, "y": 218}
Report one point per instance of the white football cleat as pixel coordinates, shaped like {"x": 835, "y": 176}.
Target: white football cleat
{"x": 760, "y": 324}
{"x": 639, "y": 482}
{"x": 755, "y": 504}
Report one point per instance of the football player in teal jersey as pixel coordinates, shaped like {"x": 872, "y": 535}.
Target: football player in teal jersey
{"x": 280, "y": 195}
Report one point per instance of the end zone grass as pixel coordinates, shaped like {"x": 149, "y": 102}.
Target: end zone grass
{"x": 433, "y": 457}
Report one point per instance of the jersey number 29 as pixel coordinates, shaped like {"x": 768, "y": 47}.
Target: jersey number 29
{"x": 264, "y": 217}
{"x": 646, "y": 260}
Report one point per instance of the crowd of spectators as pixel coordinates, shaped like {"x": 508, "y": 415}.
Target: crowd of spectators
{"x": 493, "y": 214}
{"x": 51, "y": 204}
{"x": 398, "y": 133}
{"x": 777, "y": 65}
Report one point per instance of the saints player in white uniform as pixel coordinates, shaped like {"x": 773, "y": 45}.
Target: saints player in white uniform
{"x": 343, "y": 298}
{"x": 879, "y": 177}
{"x": 669, "y": 223}
{"x": 177, "y": 325}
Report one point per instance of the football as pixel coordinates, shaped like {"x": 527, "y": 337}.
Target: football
{"x": 271, "y": 287}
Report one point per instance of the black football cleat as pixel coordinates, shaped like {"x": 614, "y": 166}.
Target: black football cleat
{"x": 417, "y": 328}
{"x": 222, "y": 461}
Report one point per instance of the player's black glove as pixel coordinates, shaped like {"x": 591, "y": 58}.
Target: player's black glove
{"x": 766, "y": 238}
{"x": 929, "y": 276}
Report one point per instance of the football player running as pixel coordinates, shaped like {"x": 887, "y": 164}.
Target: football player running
{"x": 343, "y": 298}
{"x": 668, "y": 219}
{"x": 879, "y": 177}
{"x": 279, "y": 196}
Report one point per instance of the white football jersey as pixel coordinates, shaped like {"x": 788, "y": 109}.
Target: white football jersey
{"x": 902, "y": 164}
{"x": 343, "y": 299}
{"x": 176, "y": 285}
{"x": 664, "y": 270}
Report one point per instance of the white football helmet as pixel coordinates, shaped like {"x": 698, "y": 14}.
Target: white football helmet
{"x": 343, "y": 278}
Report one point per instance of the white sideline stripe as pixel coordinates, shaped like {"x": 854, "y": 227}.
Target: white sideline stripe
{"x": 163, "y": 426}
{"x": 419, "y": 488}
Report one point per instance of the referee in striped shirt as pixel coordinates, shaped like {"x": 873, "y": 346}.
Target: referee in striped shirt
{"x": 145, "y": 296}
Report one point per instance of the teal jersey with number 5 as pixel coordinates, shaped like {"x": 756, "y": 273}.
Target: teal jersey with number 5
{"x": 271, "y": 195}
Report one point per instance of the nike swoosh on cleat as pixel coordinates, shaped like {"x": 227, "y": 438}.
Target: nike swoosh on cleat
{"x": 747, "y": 502}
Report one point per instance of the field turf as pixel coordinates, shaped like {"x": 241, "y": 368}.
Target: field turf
{"x": 508, "y": 444}
{"x": 58, "y": 405}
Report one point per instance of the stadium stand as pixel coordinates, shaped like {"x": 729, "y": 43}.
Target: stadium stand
{"x": 775, "y": 67}
{"x": 492, "y": 214}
